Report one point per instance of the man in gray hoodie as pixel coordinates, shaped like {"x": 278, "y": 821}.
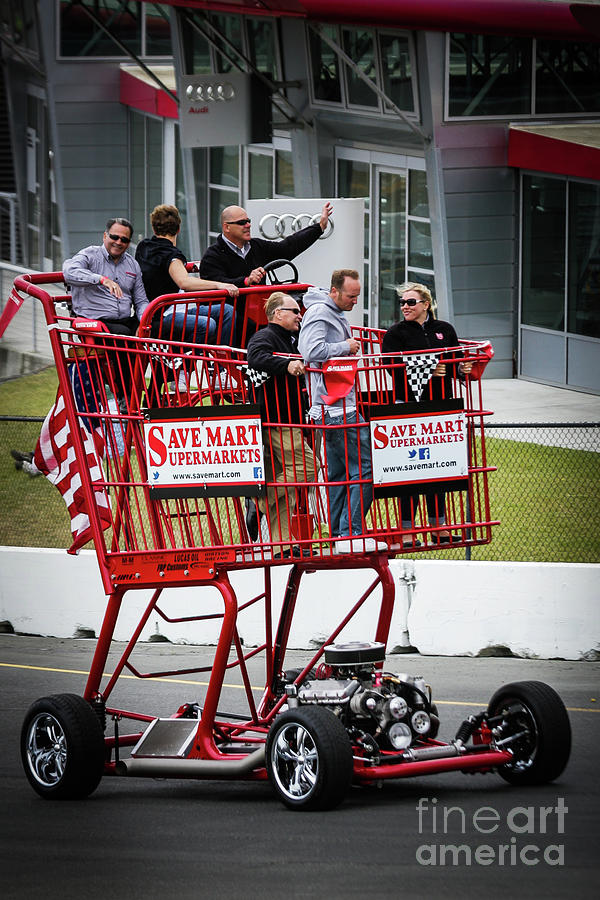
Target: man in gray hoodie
{"x": 326, "y": 334}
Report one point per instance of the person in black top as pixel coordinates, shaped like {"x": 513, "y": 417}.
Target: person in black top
{"x": 164, "y": 271}
{"x": 421, "y": 331}
{"x": 239, "y": 258}
{"x": 278, "y": 388}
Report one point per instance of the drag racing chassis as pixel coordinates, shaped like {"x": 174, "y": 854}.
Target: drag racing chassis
{"x": 343, "y": 719}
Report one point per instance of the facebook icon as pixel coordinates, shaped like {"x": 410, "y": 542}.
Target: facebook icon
{"x": 258, "y": 473}
{"x": 424, "y": 453}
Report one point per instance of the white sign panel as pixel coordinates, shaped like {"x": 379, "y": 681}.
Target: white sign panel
{"x": 419, "y": 446}
{"x": 340, "y": 247}
{"x": 223, "y": 109}
{"x": 217, "y": 454}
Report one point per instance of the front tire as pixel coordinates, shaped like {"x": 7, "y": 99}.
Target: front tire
{"x": 533, "y": 718}
{"x": 62, "y": 747}
{"x": 309, "y": 758}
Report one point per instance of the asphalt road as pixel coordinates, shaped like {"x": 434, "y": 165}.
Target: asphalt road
{"x": 179, "y": 839}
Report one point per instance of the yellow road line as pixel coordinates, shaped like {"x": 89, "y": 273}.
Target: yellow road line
{"x": 240, "y": 687}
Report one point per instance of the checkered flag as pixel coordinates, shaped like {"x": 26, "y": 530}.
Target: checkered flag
{"x": 162, "y": 353}
{"x": 256, "y": 377}
{"x": 418, "y": 371}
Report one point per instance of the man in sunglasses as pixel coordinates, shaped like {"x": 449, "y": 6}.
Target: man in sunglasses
{"x": 106, "y": 281}
{"x": 275, "y": 372}
{"x": 238, "y": 258}
{"x": 106, "y": 284}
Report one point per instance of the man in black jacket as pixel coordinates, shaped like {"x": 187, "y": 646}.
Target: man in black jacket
{"x": 279, "y": 389}
{"x": 237, "y": 258}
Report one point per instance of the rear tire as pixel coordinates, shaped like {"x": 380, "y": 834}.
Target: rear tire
{"x": 62, "y": 747}
{"x": 534, "y": 713}
{"x": 309, "y": 758}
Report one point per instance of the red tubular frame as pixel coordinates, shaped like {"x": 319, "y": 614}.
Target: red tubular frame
{"x": 148, "y": 538}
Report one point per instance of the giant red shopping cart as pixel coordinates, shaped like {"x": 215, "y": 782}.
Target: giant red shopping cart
{"x": 175, "y": 446}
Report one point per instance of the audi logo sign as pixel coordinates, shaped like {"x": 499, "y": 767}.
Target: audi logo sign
{"x": 221, "y": 110}
{"x": 213, "y": 92}
{"x": 273, "y": 227}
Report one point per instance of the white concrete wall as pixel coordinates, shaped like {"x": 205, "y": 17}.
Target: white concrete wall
{"x": 545, "y": 610}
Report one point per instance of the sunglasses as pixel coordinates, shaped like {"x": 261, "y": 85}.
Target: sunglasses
{"x": 239, "y": 222}
{"x": 292, "y": 309}
{"x": 410, "y": 302}
{"x": 119, "y": 237}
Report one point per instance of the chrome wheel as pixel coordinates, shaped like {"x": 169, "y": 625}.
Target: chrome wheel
{"x": 46, "y": 749}
{"x": 309, "y": 758}
{"x": 62, "y": 747}
{"x": 295, "y": 762}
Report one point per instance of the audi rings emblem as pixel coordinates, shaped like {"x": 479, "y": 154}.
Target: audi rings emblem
{"x": 274, "y": 227}
{"x": 213, "y": 92}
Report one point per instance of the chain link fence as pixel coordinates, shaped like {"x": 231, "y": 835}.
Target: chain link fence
{"x": 545, "y": 492}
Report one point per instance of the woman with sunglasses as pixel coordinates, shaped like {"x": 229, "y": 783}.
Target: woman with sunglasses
{"x": 420, "y": 330}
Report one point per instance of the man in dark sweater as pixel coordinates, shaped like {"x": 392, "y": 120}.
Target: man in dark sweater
{"x": 279, "y": 390}
{"x": 238, "y": 258}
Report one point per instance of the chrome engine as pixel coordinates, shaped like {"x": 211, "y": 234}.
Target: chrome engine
{"x": 379, "y": 709}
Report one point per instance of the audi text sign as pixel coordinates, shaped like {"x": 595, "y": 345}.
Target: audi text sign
{"x": 223, "y": 109}
{"x": 414, "y": 443}
{"x": 212, "y": 452}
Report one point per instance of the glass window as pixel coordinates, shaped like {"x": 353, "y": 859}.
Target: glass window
{"x": 284, "y": 173}
{"x": 325, "y": 66}
{"x": 489, "y": 75}
{"x": 145, "y": 170}
{"x": 196, "y": 49}
{"x": 584, "y": 259}
{"x": 395, "y": 63}
{"x": 18, "y": 19}
{"x": 224, "y": 178}
{"x": 354, "y": 181}
{"x": 262, "y": 45}
{"x": 220, "y": 199}
{"x": 231, "y": 29}
{"x": 422, "y": 278}
{"x": 80, "y": 36}
{"x": 137, "y": 156}
{"x": 260, "y": 176}
{"x": 420, "y": 253}
{"x": 225, "y": 166}
{"x": 543, "y": 279}
{"x": 418, "y": 199}
{"x": 181, "y": 202}
{"x": 154, "y": 167}
{"x": 392, "y": 244}
{"x": 359, "y": 45}
{"x": 567, "y": 77}
{"x": 158, "y": 30}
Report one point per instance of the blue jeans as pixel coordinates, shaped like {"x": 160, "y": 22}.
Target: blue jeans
{"x": 348, "y": 453}
{"x": 199, "y": 324}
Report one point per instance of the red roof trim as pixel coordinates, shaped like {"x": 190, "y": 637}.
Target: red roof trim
{"x": 528, "y": 150}
{"x": 147, "y": 98}
{"x": 542, "y": 18}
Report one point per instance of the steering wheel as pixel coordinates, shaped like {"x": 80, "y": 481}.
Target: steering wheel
{"x": 277, "y": 264}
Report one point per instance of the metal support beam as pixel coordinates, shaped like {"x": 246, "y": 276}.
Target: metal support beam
{"x": 128, "y": 52}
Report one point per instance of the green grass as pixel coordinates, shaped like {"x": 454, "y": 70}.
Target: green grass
{"x": 33, "y": 512}
{"x": 32, "y": 395}
{"x": 547, "y": 498}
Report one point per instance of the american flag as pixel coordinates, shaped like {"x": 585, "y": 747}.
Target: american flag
{"x": 55, "y": 455}
{"x": 13, "y": 305}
